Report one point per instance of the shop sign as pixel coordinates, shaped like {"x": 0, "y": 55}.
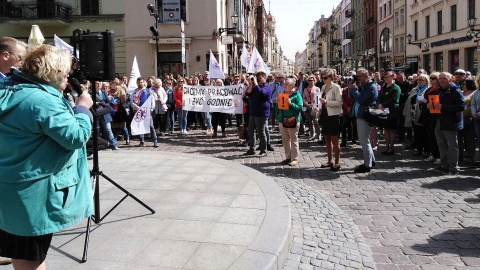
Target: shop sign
{"x": 412, "y": 59}
{"x": 171, "y": 11}
{"x": 449, "y": 41}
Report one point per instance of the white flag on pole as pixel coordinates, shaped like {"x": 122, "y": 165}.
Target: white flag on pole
{"x": 62, "y": 45}
{"x": 214, "y": 69}
{"x": 134, "y": 75}
{"x": 142, "y": 118}
{"x": 245, "y": 57}
{"x": 257, "y": 63}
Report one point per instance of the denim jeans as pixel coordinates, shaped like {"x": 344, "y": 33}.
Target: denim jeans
{"x": 208, "y": 120}
{"x": 153, "y": 133}
{"x": 171, "y": 119}
{"x": 448, "y": 147}
{"x": 258, "y": 124}
{"x": 107, "y": 128}
{"x": 182, "y": 118}
{"x": 363, "y": 130}
{"x": 476, "y": 125}
{"x": 125, "y": 133}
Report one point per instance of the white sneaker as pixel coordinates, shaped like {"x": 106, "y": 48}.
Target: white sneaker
{"x": 429, "y": 159}
{"x": 437, "y": 161}
{"x": 185, "y": 132}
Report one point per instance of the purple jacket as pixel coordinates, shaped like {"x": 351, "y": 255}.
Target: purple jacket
{"x": 260, "y": 100}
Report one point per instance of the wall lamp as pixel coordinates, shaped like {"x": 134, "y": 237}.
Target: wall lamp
{"x": 232, "y": 29}
{"x": 409, "y": 41}
{"x": 473, "y": 32}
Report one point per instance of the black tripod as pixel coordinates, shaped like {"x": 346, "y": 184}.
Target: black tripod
{"x": 95, "y": 173}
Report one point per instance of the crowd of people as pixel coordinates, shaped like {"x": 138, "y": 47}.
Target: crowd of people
{"x": 44, "y": 115}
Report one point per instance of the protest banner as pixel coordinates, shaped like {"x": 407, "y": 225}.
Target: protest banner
{"x": 316, "y": 100}
{"x": 225, "y": 99}
{"x": 141, "y": 121}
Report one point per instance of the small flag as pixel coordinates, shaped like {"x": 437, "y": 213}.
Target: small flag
{"x": 134, "y": 75}
{"x": 257, "y": 63}
{"x": 245, "y": 57}
{"x": 214, "y": 69}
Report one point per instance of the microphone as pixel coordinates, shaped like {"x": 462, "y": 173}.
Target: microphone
{"x": 77, "y": 89}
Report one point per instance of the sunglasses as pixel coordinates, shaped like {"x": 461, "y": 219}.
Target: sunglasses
{"x": 326, "y": 78}
{"x": 310, "y": 80}
{"x": 459, "y": 74}
{"x": 433, "y": 78}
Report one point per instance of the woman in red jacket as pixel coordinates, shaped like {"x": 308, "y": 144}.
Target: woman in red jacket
{"x": 181, "y": 114}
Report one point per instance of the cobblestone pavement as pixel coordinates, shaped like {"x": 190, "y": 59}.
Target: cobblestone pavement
{"x": 402, "y": 215}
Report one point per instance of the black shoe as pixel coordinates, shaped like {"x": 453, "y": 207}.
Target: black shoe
{"x": 389, "y": 153}
{"x": 270, "y": 148}
{"x": 258, "y": 148}
{"x": 127, "y": 142}
{"x": 361, "y": 169}
{"x": 262, "y": 154}
{"x": 384, "y": 152}
{"x": 155, "y": 144}
{"x": 343, "y": 144}
{"x": 279, "y": 142}
{"x": 322, "y": 142}
{"x": 441, "y": 169}
{"x": 373, "y": 163}
{"x": 418, "y": 153}
{"x": 250, "y": 152}
{"x": 142, "y": 144}
{"x": 335, "y": 168}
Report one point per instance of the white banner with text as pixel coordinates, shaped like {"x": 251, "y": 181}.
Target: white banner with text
{"x": 225, "y": 99}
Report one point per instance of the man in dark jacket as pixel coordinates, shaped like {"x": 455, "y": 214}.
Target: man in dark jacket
{"x": 449, "y": 122}
{"x": 259, "y": 93}
{"x": 365, "y": 96}
{"x": 405, "y": 87}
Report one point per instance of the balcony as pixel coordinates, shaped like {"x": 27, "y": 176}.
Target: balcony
{"x": 350, "y": 34}
{"x": 349, "y": 13}
{"x": 33, "y": 11}
{"x": 334, "y": 26}
{"x": 336, "y": 41}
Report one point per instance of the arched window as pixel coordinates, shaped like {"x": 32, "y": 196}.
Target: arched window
{"x": 385, "y": 41}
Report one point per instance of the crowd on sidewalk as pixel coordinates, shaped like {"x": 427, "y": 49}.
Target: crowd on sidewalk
{"x": 328, "y": 108}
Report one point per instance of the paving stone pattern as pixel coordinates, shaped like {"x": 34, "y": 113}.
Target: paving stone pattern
{"x": 403, "y": 215}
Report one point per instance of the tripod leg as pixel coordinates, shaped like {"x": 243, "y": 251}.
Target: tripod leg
{"x": 87, "y": 238}
{"x": 126, "y": 192}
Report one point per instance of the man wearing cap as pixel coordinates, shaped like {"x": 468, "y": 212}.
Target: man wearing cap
{"x": 259, "y": 94}
{"x": 12, "y": 52}
{"x": 459, "y": 76}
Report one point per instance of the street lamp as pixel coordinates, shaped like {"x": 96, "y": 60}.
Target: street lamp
{"x": 409, "y": 41}
{"x": 231, "y": 30}
{"x": 152, "y": 10}
{"x": 473, "y": 32}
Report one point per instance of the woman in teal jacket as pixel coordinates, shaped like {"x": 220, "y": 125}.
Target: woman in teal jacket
{"x": 290, "y": 134}
{"x": 45, "y": 182}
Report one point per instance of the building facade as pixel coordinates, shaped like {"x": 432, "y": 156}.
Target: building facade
{"x": 385, "y": 34}
{"x": 439, "y": 30}
{"x": 399, "y": 20}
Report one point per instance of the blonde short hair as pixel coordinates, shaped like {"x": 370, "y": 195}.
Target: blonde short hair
{"x": 44, "y": 62}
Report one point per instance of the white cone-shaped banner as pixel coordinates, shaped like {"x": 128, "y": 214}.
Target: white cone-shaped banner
{"x": 134, "y": 75}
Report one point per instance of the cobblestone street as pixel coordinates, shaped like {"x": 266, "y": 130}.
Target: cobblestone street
{"x": 402, "y": 215}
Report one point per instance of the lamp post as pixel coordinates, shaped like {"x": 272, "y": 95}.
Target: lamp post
{"x": 152, "y": 10}
{"x": 409, "y": 41}
{"x": 472, "y": 21}
{"x": 231, "y": 30}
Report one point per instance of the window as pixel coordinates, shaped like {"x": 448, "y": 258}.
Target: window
{"x": 396, "y": 19}
{"x": 453, "y": 18}
{"x": 380, "y": 14}
{"x": 439, "y": 23}
{"x": 385, "y": 41}
{"x": 389, "y": 7}
{"x": 427, "y": 26}
{"x": 426, "y": 62}
{"x": 397, "y": 46}
{"x": 438, "y": 61}
{"x": 402, "y": 44}
{"x": 471, "y": 8}
{"x": 384, "y": 10}
{"x": 90, "y": 7}
{"x": 415, "y": 30}
{"x": 168, "y": 11}
{"x": 402, "y": 17}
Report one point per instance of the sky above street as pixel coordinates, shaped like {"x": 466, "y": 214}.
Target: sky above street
{"x": 295, "y": 19}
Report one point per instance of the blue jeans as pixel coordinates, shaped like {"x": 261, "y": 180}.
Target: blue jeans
{"x": 363, "y": 130}
{"x": 182, "y": 118}
{"x": 107, "y": 128}
{"x": 476, "y": 125}
{"x": 125, "y": 133}
{"x": 208, "y": 120}
{"x": 171, "y": 119}
{"x": 153, "y": 133}
{"x": 448, "y": 147}
{"x": 258, "y": 124}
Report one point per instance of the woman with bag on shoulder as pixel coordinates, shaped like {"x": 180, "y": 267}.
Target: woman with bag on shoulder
{"x": 120, "y": 117}
{"x": 290, "y": 123}
{"x": 330, "y": 117}
{"x": 389, "y": 99}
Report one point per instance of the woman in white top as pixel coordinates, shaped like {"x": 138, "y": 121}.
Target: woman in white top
{"x": 330, "y": 118}
{"x": 161, "y": 108}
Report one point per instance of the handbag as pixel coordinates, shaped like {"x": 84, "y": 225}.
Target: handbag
{"x": 375, "y": 120}
{"x": 289, "y": 122}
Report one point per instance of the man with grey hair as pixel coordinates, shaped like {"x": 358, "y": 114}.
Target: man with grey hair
{"x": 365, "y": 96}
{"x": 12, "y": 52}
{"x": 448, "y": 122}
